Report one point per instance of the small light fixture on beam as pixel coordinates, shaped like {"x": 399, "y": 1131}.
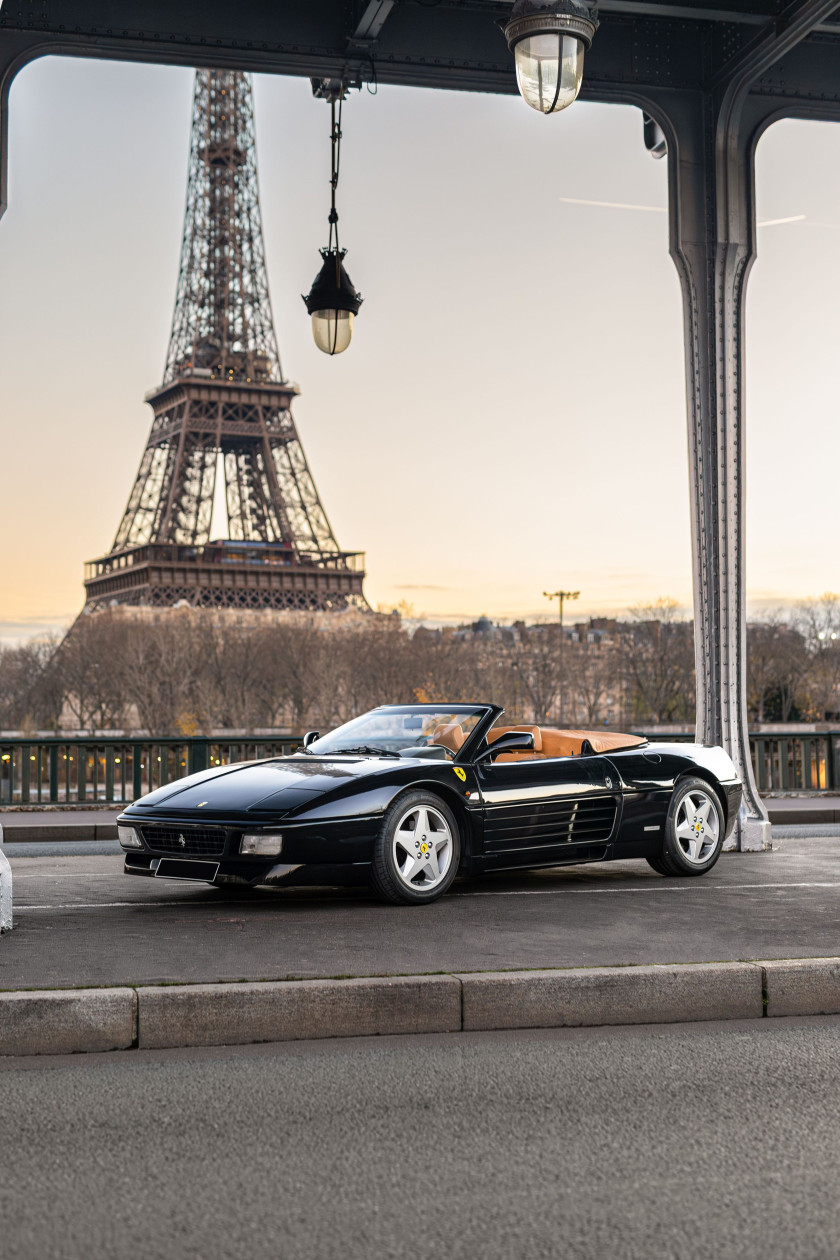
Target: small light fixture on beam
{"x": 655, "y": 142}
{"x": 333, "y": 301}
{"x": 548, "y": 39}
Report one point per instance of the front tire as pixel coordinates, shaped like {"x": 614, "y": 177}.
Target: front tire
{"x": 418, "y": 850}
{"x": 694, "y": 831}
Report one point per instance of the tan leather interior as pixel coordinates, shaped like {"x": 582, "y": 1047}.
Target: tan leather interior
{"x": 551, "y": 742}
{"x": 451, "y": 736}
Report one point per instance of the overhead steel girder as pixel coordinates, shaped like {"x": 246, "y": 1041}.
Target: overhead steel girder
{"x": 457, "y": 44}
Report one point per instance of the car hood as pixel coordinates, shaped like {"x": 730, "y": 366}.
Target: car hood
{"x": 280, "y": 784}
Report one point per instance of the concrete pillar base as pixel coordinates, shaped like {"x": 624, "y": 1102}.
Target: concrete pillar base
{"x": 751, "y": 835}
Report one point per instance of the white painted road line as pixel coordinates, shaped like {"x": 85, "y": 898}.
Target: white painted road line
{"x": 121, "y": 905}
{"x": 536, "y": 892}
{"x": 655, "y": 888}
{"x": 22, "y": 874}
{"x": 45, "y": 875}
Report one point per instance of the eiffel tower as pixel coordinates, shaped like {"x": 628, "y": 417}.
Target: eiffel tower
{"x": 224, "y": 408}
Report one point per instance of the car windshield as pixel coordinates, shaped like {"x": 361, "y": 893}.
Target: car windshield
{"x": 410, "y": 730}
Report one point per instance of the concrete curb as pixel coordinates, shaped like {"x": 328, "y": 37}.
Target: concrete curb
{"x": 213, "y": 1014}
{"x": 67, "y": 1021}
{"x": 800, "y": 986}
{"x": 56, "y": 833}
{"x": 612, "y": 995}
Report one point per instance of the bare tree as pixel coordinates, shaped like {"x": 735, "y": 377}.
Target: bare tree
{"x": 165, "y": 664}
{"x": 30, "y": 689}
{"x": 540, "y": 663}
{"x": 659, "y": 659}
{"x": 819, "y": 622}
{"x": 777, "y": 664}
{"x": 595, "y": 670}
{"x": 89, "y": 668}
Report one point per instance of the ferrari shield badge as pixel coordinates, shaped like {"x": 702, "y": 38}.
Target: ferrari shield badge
{"x": 462, "y": 774}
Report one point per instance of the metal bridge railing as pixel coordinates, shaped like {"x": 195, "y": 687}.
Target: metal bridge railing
{"x": 789, "y": 761}
{"x": 93, "y": 771}
{"x": 60, "y": 771}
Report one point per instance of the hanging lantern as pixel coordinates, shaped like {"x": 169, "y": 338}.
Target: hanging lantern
{"x": 333, "y": 302}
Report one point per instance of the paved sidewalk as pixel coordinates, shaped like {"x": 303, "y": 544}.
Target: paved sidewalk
{"x": 28, "y": 825}
{"x": 807, "y": 810}
{"x": 80, "y": 921}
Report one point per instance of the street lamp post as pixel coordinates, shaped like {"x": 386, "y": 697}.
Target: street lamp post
{"x": 561, "y": 597}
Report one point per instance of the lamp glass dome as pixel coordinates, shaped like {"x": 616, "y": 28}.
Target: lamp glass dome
{"x": 332, "y": 330}
{"x": 549, "y": 70}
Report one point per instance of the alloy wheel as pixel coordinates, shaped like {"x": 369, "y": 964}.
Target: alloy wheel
{"x": 697, "y": 826}
{"x": 422, "y": 848}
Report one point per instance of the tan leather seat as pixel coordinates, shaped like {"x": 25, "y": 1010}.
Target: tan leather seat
{"x": 551, "y": 742}
{"x": 450, "y": 735}
{"x": 562, "y": 743}
{"x": 568, "y": 743}
{"x": 521, "y": 754}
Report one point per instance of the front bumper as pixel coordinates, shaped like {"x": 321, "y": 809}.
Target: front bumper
{"x": 334, "y": 853}
{"x": 313, "y": 874}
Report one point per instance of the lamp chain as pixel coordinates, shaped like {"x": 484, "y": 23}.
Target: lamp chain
{"x": 335, "y": 138}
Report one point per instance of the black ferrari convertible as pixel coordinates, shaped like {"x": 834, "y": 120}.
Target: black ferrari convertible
{"x": 408, "y": 796}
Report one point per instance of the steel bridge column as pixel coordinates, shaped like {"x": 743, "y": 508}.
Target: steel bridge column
{"x": 712, "y": 237}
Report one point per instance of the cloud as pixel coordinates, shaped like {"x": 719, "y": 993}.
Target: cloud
{"x": 612, "y": 205}
{"x": 791, "y": 218}
{"x": 12, "y": 632}
{"x": 629, "y": 205}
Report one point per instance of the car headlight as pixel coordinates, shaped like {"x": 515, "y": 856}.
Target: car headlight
{"x": 261, "y": 844}
{"x": 129, "y": 838}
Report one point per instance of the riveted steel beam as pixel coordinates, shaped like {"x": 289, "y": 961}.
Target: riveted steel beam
{"x": 794, "y": 23}
{"x": 712, "y": 138}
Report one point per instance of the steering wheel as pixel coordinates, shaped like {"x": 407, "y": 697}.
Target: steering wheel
{"x": 426, "y": 741}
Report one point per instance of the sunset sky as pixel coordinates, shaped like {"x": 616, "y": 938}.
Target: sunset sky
{"x": 510, "y": 416}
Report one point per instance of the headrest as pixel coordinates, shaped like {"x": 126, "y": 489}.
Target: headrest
{"x": 505, "y": 730}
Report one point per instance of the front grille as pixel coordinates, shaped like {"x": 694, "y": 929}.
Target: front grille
{"x": 206, "y": 841}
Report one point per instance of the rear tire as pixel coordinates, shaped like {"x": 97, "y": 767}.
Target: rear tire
{"x": 694, "y": 831}
{"x": 418, "y": 850}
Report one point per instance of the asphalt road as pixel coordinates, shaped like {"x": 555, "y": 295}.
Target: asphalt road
{"x": 705, "y": 1140}
{"x": 80, "y": 921}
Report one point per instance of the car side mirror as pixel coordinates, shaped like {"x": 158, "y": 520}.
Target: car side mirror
{"x": 513, "y": 741}
{"x": 310, "y": 737}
